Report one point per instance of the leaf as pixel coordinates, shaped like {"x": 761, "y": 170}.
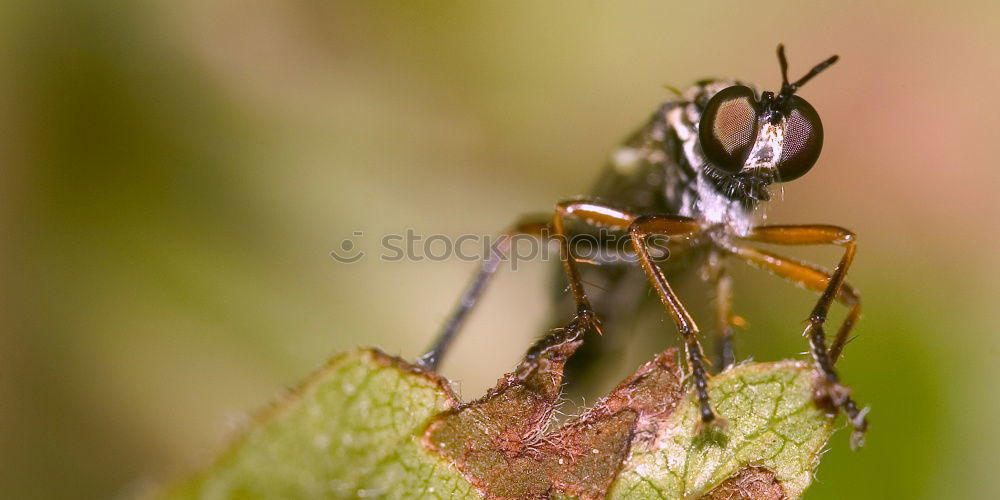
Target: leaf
{"x": 350, "y": 430}
{"x": 368, "y": 424}
{"x": 772, "y": 424}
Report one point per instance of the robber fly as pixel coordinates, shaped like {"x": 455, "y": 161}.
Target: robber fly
{"x": 698, "y": 172}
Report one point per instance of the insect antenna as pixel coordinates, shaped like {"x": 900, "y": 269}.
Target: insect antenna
{"x": 787, "y": 89}
{"x": 783, "y": 62}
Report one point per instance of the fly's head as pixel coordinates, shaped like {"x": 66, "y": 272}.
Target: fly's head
{"x": 752, "y": 142}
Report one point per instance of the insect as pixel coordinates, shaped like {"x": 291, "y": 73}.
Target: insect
{"x": 698, "y": 172}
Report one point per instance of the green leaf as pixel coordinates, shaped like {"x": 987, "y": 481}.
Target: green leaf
{"x": 773, "y": 424}
{"x": 351, "y": 430}
{"x": 368, "y": 424}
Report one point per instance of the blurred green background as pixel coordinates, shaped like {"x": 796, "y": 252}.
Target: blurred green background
{"x": 175, "y": 173}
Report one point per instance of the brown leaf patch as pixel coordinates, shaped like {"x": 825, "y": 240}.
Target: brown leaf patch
{"x": 500, "y": 443}
{"x": 750, "y": 483}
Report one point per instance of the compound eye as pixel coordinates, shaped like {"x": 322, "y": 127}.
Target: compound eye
{"x": 728, "y": 127}
{"x": 803, "y": 140}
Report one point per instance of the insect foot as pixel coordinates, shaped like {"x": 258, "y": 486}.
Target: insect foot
{"x": 586, "y": 319}
{"x": 583, "y": 321}
{"x": 716, "y": 425}
{"x": 828, "y": 394}
{"x": 831, "y": 397}
{"x": 579, "y": 325}
{"x": 859, "y": 421}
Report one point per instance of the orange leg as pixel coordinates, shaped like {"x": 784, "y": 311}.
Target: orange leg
{"x": 812, "y": 277}
{"x": 639, "y": 228}
{"x": 595, "y": 214}
{"x": 650, "y": 225}
{"x": 592, "y": 212}
{"x": 832, "y": 286}
{"x": 722, "y": 283}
